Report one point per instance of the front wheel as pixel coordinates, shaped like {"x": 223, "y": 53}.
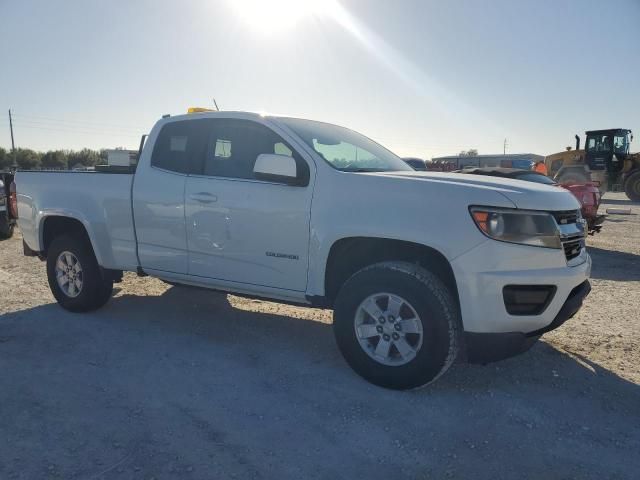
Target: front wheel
{"x": 632, "y": 186}
{"x": 396, "y": 325}
{"x": 74, "y": 275}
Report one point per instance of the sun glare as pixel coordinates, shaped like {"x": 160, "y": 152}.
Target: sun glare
{"x": 274, "y": 16}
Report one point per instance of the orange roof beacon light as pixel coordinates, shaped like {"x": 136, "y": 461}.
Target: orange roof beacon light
{"x": 199, "y": 110}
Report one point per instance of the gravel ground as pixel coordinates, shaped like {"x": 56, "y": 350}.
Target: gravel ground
{"x": 168, "y": 382}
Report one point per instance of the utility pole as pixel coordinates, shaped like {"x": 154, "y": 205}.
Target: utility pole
{"x": 13, "y": 145}
{"x": 504, "y": 147}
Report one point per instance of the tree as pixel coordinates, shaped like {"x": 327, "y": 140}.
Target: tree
{"x": 84, "y": 158}
{"x": 469, "y": 153}
{"x": 27, "y": 159}
{"x": 56, "y": 160}
{"x": 5, "y": 159}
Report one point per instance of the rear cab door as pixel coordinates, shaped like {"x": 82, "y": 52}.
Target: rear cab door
{"x": 158, "y": 196}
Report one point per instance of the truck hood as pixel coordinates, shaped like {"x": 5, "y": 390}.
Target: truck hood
{"x": 523, "y": 194}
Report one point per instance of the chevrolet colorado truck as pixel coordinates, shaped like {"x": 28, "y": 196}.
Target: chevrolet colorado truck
{"x": 420, "y": 268}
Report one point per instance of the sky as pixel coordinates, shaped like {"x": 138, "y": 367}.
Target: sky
{"x": 423, "y": 77}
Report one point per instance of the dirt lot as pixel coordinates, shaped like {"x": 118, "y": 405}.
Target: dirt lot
{"x": 167, "y": 382}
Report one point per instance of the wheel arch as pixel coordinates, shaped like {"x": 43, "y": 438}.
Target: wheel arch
{"x": 349, "y": 255}
{"x": 52, "y": 226}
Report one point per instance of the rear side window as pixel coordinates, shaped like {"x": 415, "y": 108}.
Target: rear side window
{"x": 179, "y": 145}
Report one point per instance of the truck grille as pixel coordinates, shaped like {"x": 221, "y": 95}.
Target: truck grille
{"x": 572, "y": 247}
{"x": 571, "y": 232}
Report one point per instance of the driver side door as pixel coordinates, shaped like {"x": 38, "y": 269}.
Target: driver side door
{"x": 241, "y": 230}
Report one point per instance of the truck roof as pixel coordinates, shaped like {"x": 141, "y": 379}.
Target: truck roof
{"x": 608, "y": 131}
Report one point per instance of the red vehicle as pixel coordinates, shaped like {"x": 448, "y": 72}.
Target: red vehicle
{"x": 587, "y": 194}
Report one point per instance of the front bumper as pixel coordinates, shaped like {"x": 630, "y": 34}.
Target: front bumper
{"x": 491, "y": 347}
{"x": 483, "y": 272}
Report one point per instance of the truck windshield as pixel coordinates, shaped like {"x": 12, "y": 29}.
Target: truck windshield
{"x": 345, "y": 149}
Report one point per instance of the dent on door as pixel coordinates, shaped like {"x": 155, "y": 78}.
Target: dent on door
{"x": 211, "y": 230}
{"x": 255, "y": 233}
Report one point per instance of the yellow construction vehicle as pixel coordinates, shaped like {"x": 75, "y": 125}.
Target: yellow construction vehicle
{"x": 605, "y": 160}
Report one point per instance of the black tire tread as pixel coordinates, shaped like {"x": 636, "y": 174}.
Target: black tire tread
{"x": 437, "y": 288}
{"x": 434, "y": 283}
{"x": 96, "y": 290}
{"x": 629, "y": 183}
{"x": 6, "y": 228}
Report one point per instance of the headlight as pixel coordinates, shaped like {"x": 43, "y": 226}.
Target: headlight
{"x": 517, "y": 226}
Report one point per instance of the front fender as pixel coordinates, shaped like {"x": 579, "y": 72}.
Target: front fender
{"x": 321, "y": 245}
{"x": 423, "y": 211}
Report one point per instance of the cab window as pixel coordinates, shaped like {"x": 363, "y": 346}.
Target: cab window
{"x": 599, "y": 144}
{"x": 234, "y": 146}
{"x": 178, "y": 146}
{"x": 620, "y": 144}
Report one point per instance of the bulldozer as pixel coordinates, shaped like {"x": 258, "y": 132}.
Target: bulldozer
{"x": 605, "y": 161}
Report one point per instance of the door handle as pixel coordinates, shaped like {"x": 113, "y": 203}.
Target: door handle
{"x": 203, "y": 197}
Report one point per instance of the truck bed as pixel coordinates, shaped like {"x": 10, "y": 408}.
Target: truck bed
{"x": 101, "y": 201}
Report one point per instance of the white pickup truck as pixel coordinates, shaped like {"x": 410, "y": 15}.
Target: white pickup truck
{"x": 420, "y": 268}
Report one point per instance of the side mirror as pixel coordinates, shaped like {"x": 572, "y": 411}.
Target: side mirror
{"x": 276, "y": 168}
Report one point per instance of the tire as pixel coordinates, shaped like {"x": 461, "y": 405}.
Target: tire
{"x": 94, "y": 290}
{"x": 6, "y": 228}
{"x": 424, "y": 295}
{"x": 632, "y": 186}
{"x": 105, "y": 293}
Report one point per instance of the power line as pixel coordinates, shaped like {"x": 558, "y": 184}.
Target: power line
{"x": 75, "y": 122}
{"x": 82, "y": 127}
{"x": 73, "y": 128}
{"x": 79, "y": 131}
{"x": 69, "y": 126}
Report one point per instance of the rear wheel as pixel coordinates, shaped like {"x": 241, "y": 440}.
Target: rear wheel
{"x": 396, "y": 324}
{"x": 74, "y": 275}
{"x": 632, "y": 186}
{"x": 6, "y": 227}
